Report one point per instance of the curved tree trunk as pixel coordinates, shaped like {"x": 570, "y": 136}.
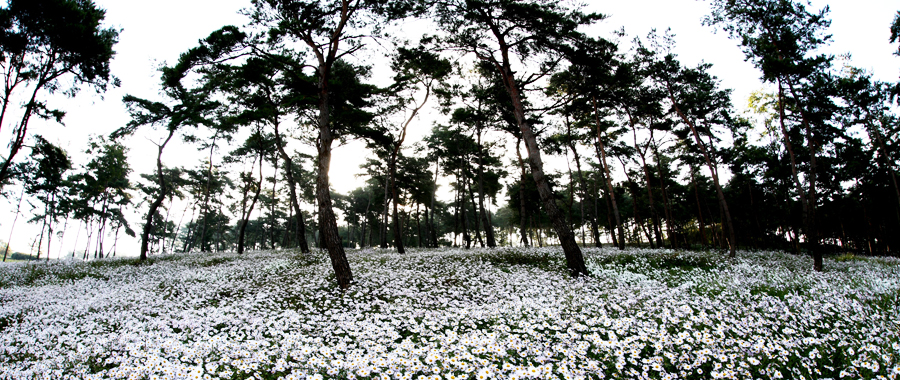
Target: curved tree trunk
{"x": 398, "y": 231}
{"x": 488, "y": 228}
{"x": 523, "y": 227}
{"x": 148, "y": 225}
{"x": 592, "y": 218}
{"x": 327, "y": 221}
{"x": 245, "y": 216}
{"x": 601, "y": 149}
{"x": 732, "y": 243}
{"x": 574, "y": 258}
{"x": 300, "y": 232}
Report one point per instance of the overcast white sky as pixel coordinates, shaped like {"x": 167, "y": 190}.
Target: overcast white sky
{"x": 154, "y": 32}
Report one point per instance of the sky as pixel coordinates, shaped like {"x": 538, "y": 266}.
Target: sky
{"x": 154, "y": 33}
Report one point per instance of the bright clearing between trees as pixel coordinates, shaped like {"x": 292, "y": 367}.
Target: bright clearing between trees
{"x": 507, "y": 313}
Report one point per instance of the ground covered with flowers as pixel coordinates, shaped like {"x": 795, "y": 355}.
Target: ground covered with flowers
{"x": 508, "y": 313}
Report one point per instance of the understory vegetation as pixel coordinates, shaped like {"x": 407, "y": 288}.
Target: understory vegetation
{"x": 507, "y": 313}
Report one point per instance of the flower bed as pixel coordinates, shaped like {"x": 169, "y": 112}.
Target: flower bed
{"x": 510, "y": 313}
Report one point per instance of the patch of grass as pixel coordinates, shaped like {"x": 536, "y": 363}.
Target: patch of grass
{"x": 848, "y": 256}
{"x": 778, "y": 291}
{"x": 215, "y": 261}
{"x": 537, "y": 259}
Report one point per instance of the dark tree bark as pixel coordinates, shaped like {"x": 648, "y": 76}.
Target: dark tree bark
{"x": 148, "y": 226}
{"x": 592, "y": 218}
{"x": 732, "y": 241}
{"x": 245, "y": 212}
{"x": 204, "y": 243}
{"x": 398, "y": 231}
{"x": 601, "y": 150}
{"x": 461, "y": 195}
{"x": 574, "y": 258}
{"x": 300, "y": 232}
{"x": 327, "y": 221}
{"x": 522, "y": 222}
{"x": 488, "y": 228}
{"x": 642, "y": 152}
{"x": 430, "y": 222}
{"x": 667, "y": 206}
{"x": 475, "y": 218}
{"x": 699, "y": 209}
{"x": 384, "y": 213}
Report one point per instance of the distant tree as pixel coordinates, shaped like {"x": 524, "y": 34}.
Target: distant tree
{"x": 500, "y": 33}
{"x": 99, "y": 192}
{"x": 42, "y": 43}
{"x": 175, "y": 184}
{"x": 45, "y": 179}
{"x": 257, "y": 147}
{"x": 699, "y": 103}
{"x": 189, "y": 107}
{"x": 780, "y": 37}
{"x": 417, "y": 70}
{"x": 330, "y": 30}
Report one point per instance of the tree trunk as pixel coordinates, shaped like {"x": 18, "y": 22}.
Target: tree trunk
{"x": 522, "y": 222}
{"x": 699, "y": 210}
{"x": 461, "y": 195}
{"x": 245, "y": 216}
{"x": 148, "y": 226}
{"x": 384, "y": 213}
{"x": 601, "y": 150}
{"x": 654, "y": 215}
{"x": 722, "y": 203}
{"x": 418, "y": 226}
{"x": 300, "y": 233}
{"x": 18, "y": 206}
{"x": 667, "y": 207}
{"x": 398, "y": 231}
{"x": 327, "y": 220}
{"x": 574, "y": 258}
{"x": 430, "y": 222}
{"x": 20, "y": 132}
{"x": 592, "y": 219}
{"x": 475, "y": 218}
{"x": 204, "y": 244}
{"x": 488, "y": 228}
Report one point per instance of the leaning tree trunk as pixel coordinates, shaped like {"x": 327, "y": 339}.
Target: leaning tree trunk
{"x": 732, "y": 241}
{"x": 398, "y": 231}
{"x": 574, "y": 258}
{"x": 300, "y": 233}
{"x": 523, "y": 227}
{"x": 148, "y": 225}
{"x": 601, "y": 149}
{"x": 488, "y": 228}
{"x": 245, "y": 217}
{"x": 654, "y": 215}
{"x": 327, "y": 221}
{"x": 204, "y": 245}
{"x": 810, "y": 217}
{"x": 582, "y": 184}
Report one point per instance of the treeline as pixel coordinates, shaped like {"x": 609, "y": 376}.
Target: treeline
{"x": 655, "y": 152}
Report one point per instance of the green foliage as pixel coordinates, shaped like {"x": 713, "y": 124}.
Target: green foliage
{"x": 543, "y": 260}
{"x": 43, "y": 42}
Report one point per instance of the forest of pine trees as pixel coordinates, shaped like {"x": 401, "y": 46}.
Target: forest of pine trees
{"x": 653, "y": 152}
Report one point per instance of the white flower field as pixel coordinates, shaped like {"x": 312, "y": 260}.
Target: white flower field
{"x": 509, "y": 313}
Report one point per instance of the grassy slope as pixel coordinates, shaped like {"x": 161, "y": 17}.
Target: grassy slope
{"x": 509, "y": 313}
